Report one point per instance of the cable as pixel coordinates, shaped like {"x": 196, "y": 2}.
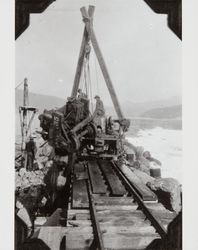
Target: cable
{"x": 96, "y": 71}
{"x": 19, "y": 84}
{"x": 85, "y": 74}
{"x": 91, "y": 95}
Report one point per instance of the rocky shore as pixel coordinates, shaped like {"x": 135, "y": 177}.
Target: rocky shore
{"x": 148, "y": 169}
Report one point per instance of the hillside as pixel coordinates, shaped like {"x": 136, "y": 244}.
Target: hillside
{"x": 171, "y": 112}
{"x": 39, "y": 101}
{"x": 137, "y": 109}
{"x": 130, "y": 109}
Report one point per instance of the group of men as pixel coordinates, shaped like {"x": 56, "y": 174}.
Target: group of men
{"x": 99, "y": 104}
{"x": 99, "y": 115}
{"x": 99, "y": 112}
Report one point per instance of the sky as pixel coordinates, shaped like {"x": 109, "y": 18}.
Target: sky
{"x": 142, "y": 54}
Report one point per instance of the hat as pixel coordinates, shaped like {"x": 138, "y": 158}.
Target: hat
{"x": 97, "y": 96}
{"x": 31, "y": 138}
{"x": 70, "y": 99}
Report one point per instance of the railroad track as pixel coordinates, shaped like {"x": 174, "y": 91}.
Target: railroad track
{"x": 111, "y": 209}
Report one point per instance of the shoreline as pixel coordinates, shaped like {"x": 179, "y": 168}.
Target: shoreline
{"x": 164, "y": 145}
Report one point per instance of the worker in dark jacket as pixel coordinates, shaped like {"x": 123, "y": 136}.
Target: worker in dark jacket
{"x": 99, "y": 112}
{"x": 99, "y": 106}
{"x": 31, "y": 150}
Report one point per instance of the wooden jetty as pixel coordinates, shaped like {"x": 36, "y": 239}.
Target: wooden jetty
{"x": 106, "y": 205}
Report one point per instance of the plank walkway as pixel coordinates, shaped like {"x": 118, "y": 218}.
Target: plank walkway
{"x": 122, "y": 224}
{"x": 79, "y": 230}
{"x": 96, "y": 179}
{"x": 79, "y": 194}
{"x": 117, "y": 189}
{"x": 79, "y": 187}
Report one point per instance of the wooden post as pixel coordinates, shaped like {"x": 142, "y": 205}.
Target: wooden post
{"x": 24, "y": 122}
{"x": 80, "y": 64}
{"x": 89, "y": 26}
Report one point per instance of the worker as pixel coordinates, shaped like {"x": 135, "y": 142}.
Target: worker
{"x": 99, "y": 112}
{"x": 70, "y": 99}
{"x": 99, "y": 106}
{"x": 81, "y": 94}
{"x": 31, "y": 150}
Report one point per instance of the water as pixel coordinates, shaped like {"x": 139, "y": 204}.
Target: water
{"x": 164, "y": 145}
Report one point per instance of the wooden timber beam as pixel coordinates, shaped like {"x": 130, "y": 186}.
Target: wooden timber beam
{"x": 24, "y": 124}
{"x": 23, "y": 112}
{"x": 85, "y": 41}
{"x": 89, "y": 26}
{"x": 173, "y": 8}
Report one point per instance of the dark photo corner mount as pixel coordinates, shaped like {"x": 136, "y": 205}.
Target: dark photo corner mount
{"x": 173, "y": 9}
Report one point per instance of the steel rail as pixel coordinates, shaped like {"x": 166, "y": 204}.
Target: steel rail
{"x": 156, "y": 224}
{"x": 96, "y": 226}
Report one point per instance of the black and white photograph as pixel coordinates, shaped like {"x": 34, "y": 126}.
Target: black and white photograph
{"x": 98, "y": 125}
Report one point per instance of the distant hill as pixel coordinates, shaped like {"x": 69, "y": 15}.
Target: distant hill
{"x": 130, "y": 109}
{"x": 137, "y": 109}
{"x": 39, "y": 101}
{"x": 164, "y": 113}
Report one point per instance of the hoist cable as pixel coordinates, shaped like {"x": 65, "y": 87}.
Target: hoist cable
{"x": 19, "y": 84}
{"x": 91, "y": 95}
{"x": 96, "y": 74}
{"x": 84, "y": 76}
{"x": 86, "y": 82}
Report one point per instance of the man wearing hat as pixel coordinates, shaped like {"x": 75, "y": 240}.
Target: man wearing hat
{"x": 99, "y": 111}
{"x": 99, "y": 106}
{"x": 81, "y": 94}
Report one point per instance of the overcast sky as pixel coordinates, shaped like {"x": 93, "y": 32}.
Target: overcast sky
{"x": 142, "y": 54}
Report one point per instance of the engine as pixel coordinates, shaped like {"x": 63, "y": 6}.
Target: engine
{"x": 73, "y": 129}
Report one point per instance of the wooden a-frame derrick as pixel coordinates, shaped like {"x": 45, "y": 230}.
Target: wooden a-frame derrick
{"x": 89, "y": 35}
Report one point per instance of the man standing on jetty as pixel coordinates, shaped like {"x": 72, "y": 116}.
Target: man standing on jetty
{"x": 31, "y": 151}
